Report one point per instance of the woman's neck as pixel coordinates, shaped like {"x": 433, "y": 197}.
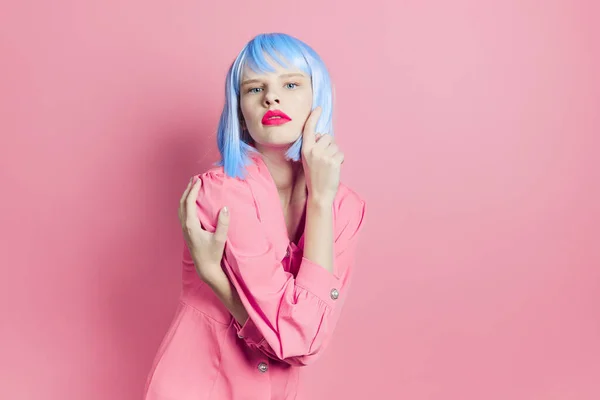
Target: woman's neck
{"x": 288, "y": 175}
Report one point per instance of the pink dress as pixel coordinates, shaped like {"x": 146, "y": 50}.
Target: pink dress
{"x": 293, "y": 304}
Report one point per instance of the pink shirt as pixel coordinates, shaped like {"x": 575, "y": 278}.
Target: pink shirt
{"x": 293, "y": 304}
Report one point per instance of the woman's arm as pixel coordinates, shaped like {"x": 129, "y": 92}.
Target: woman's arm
{"x": 225, "y": 291}
{"x": 206, "y": 249}
{"x": 318, "y": 233}
{"x": 318, "y": 248}
{"x": 290, "y": 317}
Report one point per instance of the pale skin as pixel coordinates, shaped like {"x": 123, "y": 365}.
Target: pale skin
{"x": 311, "y": 184}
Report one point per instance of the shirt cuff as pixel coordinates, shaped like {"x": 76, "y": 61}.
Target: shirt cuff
{"x": 319, "y": 282}
{"x": 249, "y": 332}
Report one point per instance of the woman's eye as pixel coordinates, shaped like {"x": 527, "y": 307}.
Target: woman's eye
{"x": 291, "y": 85}
{"x": 254, "y": 90}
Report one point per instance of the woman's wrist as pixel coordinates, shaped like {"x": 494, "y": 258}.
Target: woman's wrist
{"x": 319, "y": 202}
{"x": 212, "y": 275}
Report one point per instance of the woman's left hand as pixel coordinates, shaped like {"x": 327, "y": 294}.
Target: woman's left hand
{"x": 321, "y": 161}
{"x": 205, "y": 248}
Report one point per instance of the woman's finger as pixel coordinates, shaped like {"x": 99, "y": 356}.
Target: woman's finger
{"x": 331, "y": 150}
{"x": 339, "y": 157}
{"x": 308, "y": 132}
{"x": 185, "y": 192}
{"x": 181, "y": 208}
{"x": 222, "y": 226}
{"x": 190, "y": 201}
{"x": 324, "y": 141}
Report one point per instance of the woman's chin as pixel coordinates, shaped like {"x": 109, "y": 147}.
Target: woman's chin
{"x": 279, "y": 142}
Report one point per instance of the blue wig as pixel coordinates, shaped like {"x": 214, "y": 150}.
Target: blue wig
{"x": 234, "y": 144}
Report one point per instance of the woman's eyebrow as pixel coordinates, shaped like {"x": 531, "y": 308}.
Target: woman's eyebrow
{"x": 290, "y": 75}
{"x": 250, "y": 81}
{"x": 294, "y": 74}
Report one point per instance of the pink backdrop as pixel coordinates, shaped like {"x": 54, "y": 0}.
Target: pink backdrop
{"x": 470, "y": 127}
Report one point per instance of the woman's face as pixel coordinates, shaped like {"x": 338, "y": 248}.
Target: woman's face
{"x": 264, "y": 96}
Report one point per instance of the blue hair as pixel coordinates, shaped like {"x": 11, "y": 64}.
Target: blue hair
{"x": 234, "y": 144}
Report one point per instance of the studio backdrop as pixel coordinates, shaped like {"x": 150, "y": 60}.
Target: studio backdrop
{"x": 471, "y": 129}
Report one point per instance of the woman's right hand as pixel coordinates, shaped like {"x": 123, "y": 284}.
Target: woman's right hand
{"x": 205, "y": 248}
{"x": 321, "y": 160}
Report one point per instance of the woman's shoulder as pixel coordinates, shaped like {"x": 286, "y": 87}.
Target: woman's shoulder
{"x": 219, "y": 189}
{"x": 217, "y": 176}
{"x": 214, "y": 174}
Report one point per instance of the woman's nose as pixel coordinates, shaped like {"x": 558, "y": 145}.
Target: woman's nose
{"x": 271, "y": 98}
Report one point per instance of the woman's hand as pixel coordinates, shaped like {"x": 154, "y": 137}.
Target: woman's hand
{"x": 322, "y": 160}
{"x": 205, "y": 248}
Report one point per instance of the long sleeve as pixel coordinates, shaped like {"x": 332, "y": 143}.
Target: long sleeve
{"x": 290, "y": 318}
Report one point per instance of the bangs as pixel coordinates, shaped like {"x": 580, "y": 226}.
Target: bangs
{"x": 277, "y": 48}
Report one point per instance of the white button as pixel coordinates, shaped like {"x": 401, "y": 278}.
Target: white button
{"x": 240, "y": 336}
{"x": 334, "y": 294}
{"x": 263, "y": 367}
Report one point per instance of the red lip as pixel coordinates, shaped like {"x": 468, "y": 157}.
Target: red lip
{"x": 275, "y": 117}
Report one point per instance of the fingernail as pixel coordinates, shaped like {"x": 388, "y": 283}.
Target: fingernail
{"x": 225, "y": 210}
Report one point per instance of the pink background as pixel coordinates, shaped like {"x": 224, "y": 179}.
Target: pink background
{"x": 470, "y": 127}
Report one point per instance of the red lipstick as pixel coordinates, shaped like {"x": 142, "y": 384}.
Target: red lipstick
{"x": 275, "y": 117}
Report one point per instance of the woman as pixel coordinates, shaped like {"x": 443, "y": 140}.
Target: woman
{"x": 262, "y": 296}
